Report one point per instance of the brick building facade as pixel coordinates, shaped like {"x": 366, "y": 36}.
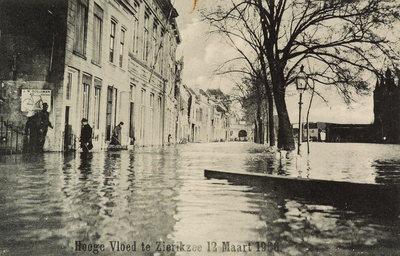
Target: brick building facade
{"x": 109, "y": 61}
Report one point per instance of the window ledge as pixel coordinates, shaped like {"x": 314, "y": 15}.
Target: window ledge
{"x": 79, "y": 54}
{"x": 96, "y": 64}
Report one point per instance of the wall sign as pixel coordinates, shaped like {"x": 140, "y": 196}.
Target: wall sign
{"x": 32, "y": 99}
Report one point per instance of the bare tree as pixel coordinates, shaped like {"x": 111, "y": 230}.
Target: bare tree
{"x": 345, "y": 39}
{"x": 238, "y": 29}
{"x": 253, "y": 100}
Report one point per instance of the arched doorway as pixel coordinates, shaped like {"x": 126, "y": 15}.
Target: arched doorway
{"x": 242, "y": 135}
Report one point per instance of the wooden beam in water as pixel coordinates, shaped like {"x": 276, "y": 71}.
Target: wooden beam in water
{"x": 363, "y": 197}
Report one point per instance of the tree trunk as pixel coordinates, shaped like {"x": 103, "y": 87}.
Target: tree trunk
{"x": 270, "y": 102}
{"x": 259, "y": 130}
{"x": 256, "y": 138}
{"x": 285, "y": 131}
{"x": 270, "y": 106}
{"x": 271, "y": 125}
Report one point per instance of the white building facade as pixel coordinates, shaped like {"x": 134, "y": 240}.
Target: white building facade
{"x": 120, "y": 67}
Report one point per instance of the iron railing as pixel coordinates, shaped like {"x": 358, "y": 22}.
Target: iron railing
{"x": 11, "y": 139}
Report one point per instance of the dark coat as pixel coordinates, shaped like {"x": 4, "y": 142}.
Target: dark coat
{"x": 44, "y": 121}
{"x": 86, "y": 138}
{"x": 86, "y": 133}
{"x": 33, "y": 134}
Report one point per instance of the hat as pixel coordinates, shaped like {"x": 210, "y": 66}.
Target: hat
{"x": 84, "y": 120}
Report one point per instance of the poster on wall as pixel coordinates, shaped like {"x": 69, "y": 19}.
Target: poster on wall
{"x": 32, "y": 99}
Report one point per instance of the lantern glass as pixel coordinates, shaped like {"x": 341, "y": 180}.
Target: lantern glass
{"x": 301, "y": 81}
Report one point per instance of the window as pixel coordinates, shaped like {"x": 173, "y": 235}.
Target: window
{"x": 154, "y": 46}
{"x": 159, "y": 104}
{"x": 199, "y": 113}
{"x": 97, "y": 95}
{"x": 142, "y": 97}
{"x": 112, "y": 40}
{"x": 146, "y": 37}
{"x": 111, "y": 110}
{"x": 142, "y": 113}
{"x": 86, "y": 82}
{"x": 110, "y": 91}
{"x": 135, "y": 36}
{"x": 132, "y": 113}
{"x": 115, "y": 106}
{"x": 131, "y": 92}
{"x": 121, "y": 47}
{"x": 159, "y": 114}
{"x": 135, "y": 30}
{"x": 97, "y": 33}
{"x": 172, "y": 51}
{"x": 68, "y": 87}
{"x": 151, "y": 100}
{"x": 81, "y": 20}
{"x": 151, "y": 117}
{"x": 161, "y": 53}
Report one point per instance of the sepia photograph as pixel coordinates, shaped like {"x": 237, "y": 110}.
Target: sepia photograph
{"x": 199, "y": 127}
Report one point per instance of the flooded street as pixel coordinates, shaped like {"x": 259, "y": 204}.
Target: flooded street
{"x": 150, "y": 201}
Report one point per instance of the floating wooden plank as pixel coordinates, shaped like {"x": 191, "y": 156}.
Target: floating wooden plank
{"x": 364, "y": 197}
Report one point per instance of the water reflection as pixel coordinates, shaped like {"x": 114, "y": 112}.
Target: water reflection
{"x": 303, "y": 228}
{"x": 148, "y": 195}
{"x": 353, "y": 162}
{"x": 119, "y": 196}
{"x": 387, "y": 170}
{"x": 29, "y": 209}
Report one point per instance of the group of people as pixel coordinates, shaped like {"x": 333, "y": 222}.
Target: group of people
{"x": 37, "y": 125}
{"x": 36, "y": 129}
{"x": 86, "y": 136}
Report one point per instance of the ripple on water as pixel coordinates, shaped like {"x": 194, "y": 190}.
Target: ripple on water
{"x": 48, "y": 201}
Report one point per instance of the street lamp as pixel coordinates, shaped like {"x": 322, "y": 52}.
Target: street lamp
{"x": 301, "y": 85}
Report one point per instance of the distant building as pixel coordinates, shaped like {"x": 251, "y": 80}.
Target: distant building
{"x": 350, "y": 133}
{"x": 386, "y": 126}
{"x": 387, "y": 109}
{"x": 241, "y": 130}
{"x": 313, "y": 132}
{"x": 184, "y": 101}
{"x": 220, "y": 125}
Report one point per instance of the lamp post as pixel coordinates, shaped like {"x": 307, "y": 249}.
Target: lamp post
{"x": 301, "y": 85}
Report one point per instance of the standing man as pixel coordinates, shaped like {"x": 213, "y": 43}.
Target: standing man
{"x": 44, "y": 123}
{"x": 86, "y": 136}
{"x": 116, "y": 138}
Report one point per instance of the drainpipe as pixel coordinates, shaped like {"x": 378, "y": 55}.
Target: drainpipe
{"x": 51, "y": 56}
{"x": 164, "y": 113}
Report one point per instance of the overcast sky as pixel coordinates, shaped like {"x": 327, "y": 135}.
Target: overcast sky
{"x": 203, "y": 53}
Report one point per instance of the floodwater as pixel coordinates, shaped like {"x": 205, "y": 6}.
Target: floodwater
{"x": 156, "y": 201}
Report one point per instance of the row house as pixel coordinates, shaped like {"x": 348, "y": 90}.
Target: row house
{"x": 220, "y": 108}
{"x": 203, "y": 116}
{"x": 183, "y": 117}
{"x": 108, "y": 61}
{"x": 201, "y": 122}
